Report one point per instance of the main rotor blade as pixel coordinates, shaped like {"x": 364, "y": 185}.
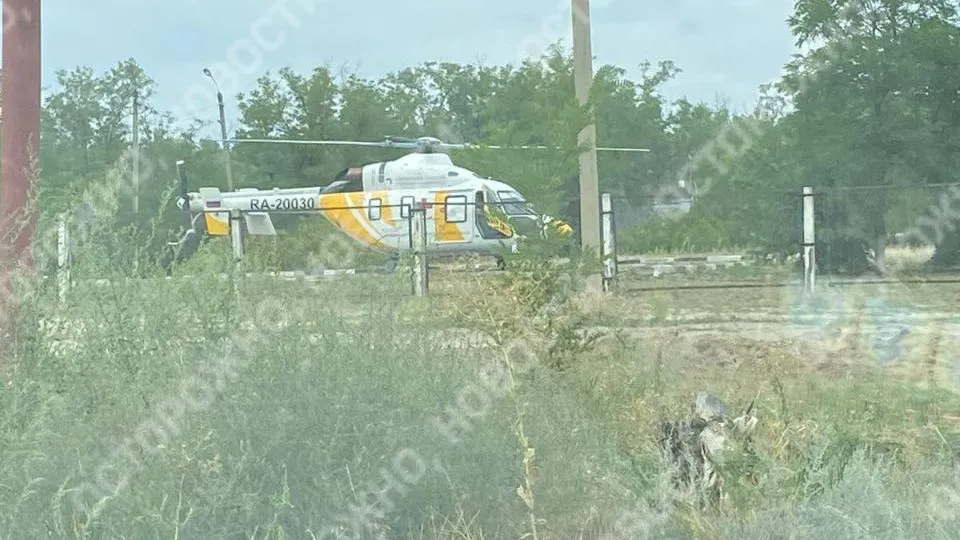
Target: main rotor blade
{"x": 611, "y": 149}
{"x": 384, "y": 144}
{"x": 407, "y": 143}
{"x": 528, "y": 147}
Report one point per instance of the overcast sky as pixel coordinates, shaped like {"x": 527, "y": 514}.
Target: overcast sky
{"x": 724, "y": 47}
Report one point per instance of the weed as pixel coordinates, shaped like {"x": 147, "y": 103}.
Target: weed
{"x": 342, "y": 374}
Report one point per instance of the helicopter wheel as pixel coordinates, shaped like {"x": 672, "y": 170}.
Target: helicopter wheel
{"x": 501, "y": 263}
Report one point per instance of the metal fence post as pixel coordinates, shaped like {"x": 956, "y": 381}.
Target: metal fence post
{"x": 418, "y": 241}
{"x": 236, "y": 235}
{"x": 609, "y": 243}
{"x": 809, "y": 243}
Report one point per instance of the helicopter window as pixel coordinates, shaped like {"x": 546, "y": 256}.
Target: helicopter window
{"x": 456, "y": 208}
{"x": 453, "y": 173}
{"x": 374, "y": 209}
{"x": 406, "y": 203}
{"x": 513, "y": 204}
{"x": 347, "y": 185}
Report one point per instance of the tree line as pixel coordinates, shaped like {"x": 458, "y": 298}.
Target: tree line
{"x": 868, "y": 116}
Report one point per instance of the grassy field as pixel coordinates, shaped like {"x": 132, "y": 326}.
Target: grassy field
{"x": 501, "y": 406}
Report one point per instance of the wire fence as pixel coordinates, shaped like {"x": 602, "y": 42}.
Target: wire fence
{"x": 876, "y": 233}
{"x": 859, "y": 230}
{"x": 383, "y": 248}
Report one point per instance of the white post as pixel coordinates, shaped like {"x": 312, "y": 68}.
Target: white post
{"x": 809, "y": 243}
{"x": 418, "y": 240}
{"x": 236, "y": 235}
{"x": 63, "y": 257}
{"x": 609, "y": 242}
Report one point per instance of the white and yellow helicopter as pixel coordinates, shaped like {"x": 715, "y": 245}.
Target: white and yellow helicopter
{"x": 465, "y": 212}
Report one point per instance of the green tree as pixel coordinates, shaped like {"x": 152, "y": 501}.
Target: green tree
{"x": 863, "y": 109}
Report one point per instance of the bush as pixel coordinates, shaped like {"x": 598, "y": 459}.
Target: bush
{"x": 292, "y": 430}
{"x": 683, "y": 235}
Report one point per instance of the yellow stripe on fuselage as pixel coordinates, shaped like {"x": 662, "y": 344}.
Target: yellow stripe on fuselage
{"x": 218, "y": 224}
{"x": 361, "y": 212}
{"x": 348, "y": 212}
{"x": 446, "y": 231}
{"x": 386, "y": 211}
{"x": 496, "y": 222}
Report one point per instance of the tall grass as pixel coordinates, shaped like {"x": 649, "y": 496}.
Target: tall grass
{"x": 333, "y": 382}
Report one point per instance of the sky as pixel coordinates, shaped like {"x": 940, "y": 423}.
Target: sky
{"x": 725, "y": 48}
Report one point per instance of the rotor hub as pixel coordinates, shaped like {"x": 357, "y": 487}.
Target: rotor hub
{"x": 428, "y": 145}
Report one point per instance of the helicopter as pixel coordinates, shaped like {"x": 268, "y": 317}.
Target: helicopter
{"x": 372, "y": 204}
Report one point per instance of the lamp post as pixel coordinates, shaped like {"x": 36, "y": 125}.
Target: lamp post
{"x": 223, "y": 130}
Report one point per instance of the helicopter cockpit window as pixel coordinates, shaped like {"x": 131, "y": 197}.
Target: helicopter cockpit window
{"x": 374, "y": 209}
{"x": 513, "y": 204}
{"x": 339, "y": 186}
{"x": 347, "y": 181}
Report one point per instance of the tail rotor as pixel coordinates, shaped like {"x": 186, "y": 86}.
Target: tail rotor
{"x": 176, "y": 251}
{"x": 183, "y": 200}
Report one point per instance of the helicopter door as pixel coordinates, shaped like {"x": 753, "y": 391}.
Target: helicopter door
{"x": 489, "y": 226}
{"x": 452, "y": 218}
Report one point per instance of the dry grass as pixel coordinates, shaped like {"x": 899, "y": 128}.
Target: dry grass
{"x": 568, "y": 453}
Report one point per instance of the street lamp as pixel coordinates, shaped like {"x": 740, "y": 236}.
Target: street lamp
{"x": 223, "y": 130}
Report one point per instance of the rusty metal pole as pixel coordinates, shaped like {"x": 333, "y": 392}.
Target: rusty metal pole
{"x": 20, "y": 134}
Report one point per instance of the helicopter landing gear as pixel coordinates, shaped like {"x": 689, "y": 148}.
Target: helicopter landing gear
{"x": 501, "y": 263}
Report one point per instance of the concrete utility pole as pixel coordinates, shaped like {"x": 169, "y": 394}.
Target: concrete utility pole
{"x": 589, "y": 183}
{"x": 223, "y": 131}
{"x": 20, "y": 131}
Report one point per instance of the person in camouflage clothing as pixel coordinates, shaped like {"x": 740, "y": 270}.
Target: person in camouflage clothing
{"x": 695, "y": 446}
